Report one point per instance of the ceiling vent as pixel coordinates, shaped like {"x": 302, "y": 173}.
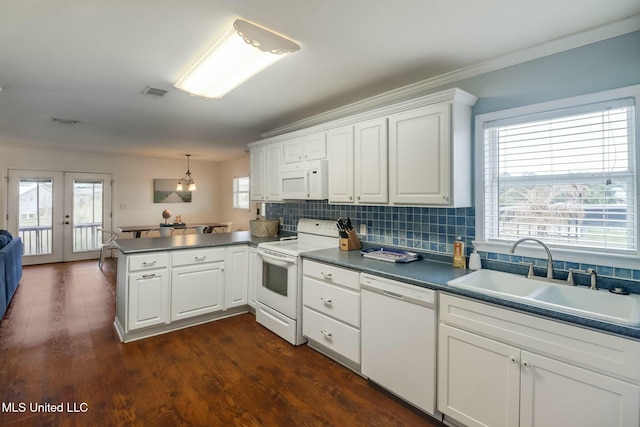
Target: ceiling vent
{"x": 153, "y": 91}
{"x": 65, "y": 121}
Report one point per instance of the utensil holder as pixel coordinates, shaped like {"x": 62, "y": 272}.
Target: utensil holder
{"x": 350, "y": 243}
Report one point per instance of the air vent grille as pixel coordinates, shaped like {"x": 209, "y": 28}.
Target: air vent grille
{"x": 153, "y": 91}
{"x": 65, "y": 121}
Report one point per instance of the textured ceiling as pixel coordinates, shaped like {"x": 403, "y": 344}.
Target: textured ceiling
{"x": 91, "y": 60}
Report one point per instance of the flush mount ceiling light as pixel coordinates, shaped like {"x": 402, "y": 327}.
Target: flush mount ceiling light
{"x": 187, "y": 180}
{"x": 244, "y": 51}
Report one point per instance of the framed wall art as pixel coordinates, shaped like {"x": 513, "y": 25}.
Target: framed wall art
{"x": 164, "y": 191}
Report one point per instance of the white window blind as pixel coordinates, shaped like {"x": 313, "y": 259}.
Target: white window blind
{"x": 241, "y": 192}
{"x": 567, "y": 177}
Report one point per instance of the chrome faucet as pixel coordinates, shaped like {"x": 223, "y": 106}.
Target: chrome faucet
{"x": 549, "y": 258}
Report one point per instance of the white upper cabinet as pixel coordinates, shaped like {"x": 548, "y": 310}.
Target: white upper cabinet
{"x": 315, "y": 146}
{"x": 308, "y": 147}
{"x": 273, "y": 162}
{"x": 265, "y": 163}
{"x": 340, "y": 146}
{"x": 370, "y": 161}
{"x": 420, "y": 156}
{"x": 413, "y": 153}
{"x": 258, "y": 172}
{"x": 430, "y": 155}
{"x": 292, "y": 151}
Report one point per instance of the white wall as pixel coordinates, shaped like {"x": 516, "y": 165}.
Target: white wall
{"x": 133, "y": 183}
{"x": 228, "y": 171}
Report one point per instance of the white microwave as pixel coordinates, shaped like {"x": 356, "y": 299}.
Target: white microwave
{"x": 310, "y": 181}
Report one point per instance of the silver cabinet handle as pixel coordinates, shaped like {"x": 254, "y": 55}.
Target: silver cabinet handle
{"x": 326, "y": 275}
{"x": 525, "y": 364}
{"x": 326, "y": 300}
{"x": 148, "y": 276}
{"x": 326, "y": 333}
{"x": 513, "y": 359}
{"x": 149, "y": 263}
{"x": 200, "y": 258}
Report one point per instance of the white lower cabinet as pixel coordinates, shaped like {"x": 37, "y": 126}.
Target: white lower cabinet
{"x": 479, "y": 385}
{"x": 197, "y": 282}
{"x": 236, "y": 278}
{"x": 255, "y": 274}
{"x": 148, "y": 298}
{"x": 161, "y": 291}
{"x": 331, "y": 311}
{"x": 501, "y": 368}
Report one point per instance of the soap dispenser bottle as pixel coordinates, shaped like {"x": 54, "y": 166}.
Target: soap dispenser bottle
{"x": 474, "y": 258}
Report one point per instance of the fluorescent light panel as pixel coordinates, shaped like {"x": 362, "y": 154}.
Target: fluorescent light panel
{"x": 234, "y": 59}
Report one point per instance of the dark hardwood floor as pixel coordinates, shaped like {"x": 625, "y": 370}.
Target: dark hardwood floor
{"x": 58, "y": 346}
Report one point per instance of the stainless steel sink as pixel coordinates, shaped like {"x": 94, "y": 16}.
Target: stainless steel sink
{"x": 597, "y": 304}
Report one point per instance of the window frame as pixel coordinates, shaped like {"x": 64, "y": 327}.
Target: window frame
{"x": 577, "y": 256}
{"x": 235, "y": 192}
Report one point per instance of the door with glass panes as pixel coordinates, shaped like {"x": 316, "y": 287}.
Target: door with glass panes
{"x": 58, "y": 215}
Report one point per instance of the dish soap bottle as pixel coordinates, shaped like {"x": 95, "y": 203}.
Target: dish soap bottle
{"x": 459, "y": 260}
{"x": 474, "y": 258}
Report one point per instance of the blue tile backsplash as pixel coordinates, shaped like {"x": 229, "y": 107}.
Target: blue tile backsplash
{"x": 418, "y": 228}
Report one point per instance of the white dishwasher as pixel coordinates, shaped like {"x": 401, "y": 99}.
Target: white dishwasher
{"x": 398, "y": 333}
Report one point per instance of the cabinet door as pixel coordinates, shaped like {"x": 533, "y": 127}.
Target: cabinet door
{"x": 478, "y": 379}
{"x": 292, "y": 151}
{"x": 340, "y": 143}
{"x": 148, "y": 299}
{"x": 558, "y": 394}
{"x": 273, "y": 163}
{"x": 257, "y": 160}
{"x": 254, "y": 276}
{"x": 236, "y": 276}
{"x": 371, "y": 161}
{"x": 420, "y": 156}
{"x": 314, "y": 146}
{"x": 196, "y": 289}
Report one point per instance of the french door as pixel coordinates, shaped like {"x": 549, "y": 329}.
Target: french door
{"x": 58, "y": 214}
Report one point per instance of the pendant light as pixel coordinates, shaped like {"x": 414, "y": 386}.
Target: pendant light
{"x": 187, "y": 180}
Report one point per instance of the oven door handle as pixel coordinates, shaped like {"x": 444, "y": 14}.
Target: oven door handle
{"x": 277, "y": 261}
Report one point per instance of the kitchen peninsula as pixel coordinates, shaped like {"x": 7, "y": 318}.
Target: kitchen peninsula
{"x": 170, "y": 283}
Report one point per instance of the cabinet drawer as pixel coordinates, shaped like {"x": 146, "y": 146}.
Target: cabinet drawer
{"x": 196, "y": 256}
{"x": 593, "y": 350}
{"x": 337, "y": 336}
{"x": 148, "y": 261}
{"x": 332, "y": 274}
{"x": 338, "y": 302}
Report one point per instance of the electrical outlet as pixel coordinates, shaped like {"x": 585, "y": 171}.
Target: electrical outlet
{"x": 363, "y": 229}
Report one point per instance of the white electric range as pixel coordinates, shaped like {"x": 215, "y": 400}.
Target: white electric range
{"x": 279, "y": 291}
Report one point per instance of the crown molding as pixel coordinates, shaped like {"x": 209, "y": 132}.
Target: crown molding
{"x": 573, "y": 41}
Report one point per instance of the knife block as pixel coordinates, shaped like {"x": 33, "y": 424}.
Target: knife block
{"x": 350, "y": 243}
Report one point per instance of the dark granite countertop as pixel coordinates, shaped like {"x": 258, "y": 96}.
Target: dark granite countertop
{"x": 434, "y": 271}
{"x": 190, "y": 241}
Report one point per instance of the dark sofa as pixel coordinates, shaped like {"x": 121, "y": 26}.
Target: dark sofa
{"x": 10, "y": 271}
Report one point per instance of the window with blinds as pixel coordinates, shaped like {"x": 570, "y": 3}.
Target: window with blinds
{"x": 566, "y": 176}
